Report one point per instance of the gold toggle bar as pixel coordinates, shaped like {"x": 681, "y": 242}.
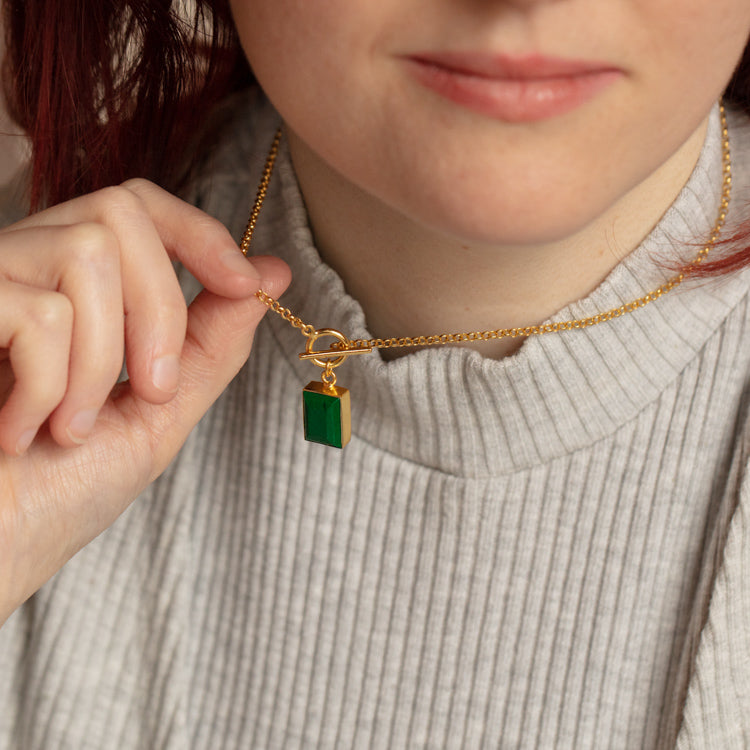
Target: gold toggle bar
{"x": 335, "y": 352}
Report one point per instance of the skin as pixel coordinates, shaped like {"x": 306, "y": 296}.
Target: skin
{"x": 503, "y": 223}
{"x": 68, "y": 275}
{"x": 445, "y": 205}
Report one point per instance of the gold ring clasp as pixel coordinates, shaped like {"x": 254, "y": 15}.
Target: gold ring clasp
{"x": 334, "y": 355}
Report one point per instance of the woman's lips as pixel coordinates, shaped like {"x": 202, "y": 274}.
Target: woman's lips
{"x": 512, "y": 89}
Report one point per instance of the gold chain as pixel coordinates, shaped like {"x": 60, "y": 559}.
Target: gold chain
{"x": 499, "y": 333}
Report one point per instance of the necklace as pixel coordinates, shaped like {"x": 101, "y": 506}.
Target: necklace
{"x": 327, "y": 407}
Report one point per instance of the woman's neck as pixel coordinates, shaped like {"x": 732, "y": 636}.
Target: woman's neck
{"x": 411, "y": 280}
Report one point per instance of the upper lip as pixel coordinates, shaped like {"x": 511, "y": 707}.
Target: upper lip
{"x": 510, "y": 67}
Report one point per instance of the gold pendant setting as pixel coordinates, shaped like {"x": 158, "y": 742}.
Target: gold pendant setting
{"x": 326, "y": 407}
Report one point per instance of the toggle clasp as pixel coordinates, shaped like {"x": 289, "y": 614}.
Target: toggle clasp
{"x": 334, "y": 355}
{"x": 326, "y": 408}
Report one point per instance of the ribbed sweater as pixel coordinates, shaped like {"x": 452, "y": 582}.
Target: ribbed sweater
{"x": 551, "y": 550}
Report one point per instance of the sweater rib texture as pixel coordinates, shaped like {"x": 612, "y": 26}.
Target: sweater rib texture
{"x": 547, "y": 551}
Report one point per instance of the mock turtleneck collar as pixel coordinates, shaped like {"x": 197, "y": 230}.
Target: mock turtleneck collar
{"x": 450, "y": 408}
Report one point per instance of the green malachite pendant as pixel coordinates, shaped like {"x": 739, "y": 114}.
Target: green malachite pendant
{"x": 327, "y": 414}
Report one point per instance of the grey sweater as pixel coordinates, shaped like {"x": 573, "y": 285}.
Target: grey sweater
{"x": 547, "y": 551}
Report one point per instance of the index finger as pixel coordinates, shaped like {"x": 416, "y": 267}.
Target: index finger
{"x": 206, "y": 248}
{"x": 201, "y": 243}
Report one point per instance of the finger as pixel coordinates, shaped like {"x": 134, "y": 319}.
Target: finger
{"x": 154, "y": 307}
{"x": 202, "y": 244}
{"x": 219, "y": 337}
{"x": 36, "y": 327}
{"x": 155, "y": 317}
{"x": 81, "y": 261}
{"x": 152, "y": 225}
{"x": 155, "y": 310}
{"x": 220, "y": 332}
{"x": 207, "y": 250}
{"x": 148, "y": 220}
{"x": 92, "y": 281}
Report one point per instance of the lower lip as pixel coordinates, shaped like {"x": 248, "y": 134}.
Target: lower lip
{"x": 513, "y": 100}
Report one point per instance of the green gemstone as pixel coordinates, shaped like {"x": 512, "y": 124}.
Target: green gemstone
{"x": 326, "y": 414}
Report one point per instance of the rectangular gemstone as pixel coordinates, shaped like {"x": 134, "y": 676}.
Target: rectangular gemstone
{"x": 327, "y": 414}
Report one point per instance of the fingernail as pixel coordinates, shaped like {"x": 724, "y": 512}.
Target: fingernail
{"x": 25, "y": 441}
{"x": 81, "y": 425}
{"x": 165, "y": 373}
{"x": 236, "y": 262}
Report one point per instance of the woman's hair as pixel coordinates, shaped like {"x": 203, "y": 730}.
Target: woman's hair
{"x": 112, "y": 89}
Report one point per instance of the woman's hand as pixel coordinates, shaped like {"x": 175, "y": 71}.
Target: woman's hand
{"x": 81, "y": 285}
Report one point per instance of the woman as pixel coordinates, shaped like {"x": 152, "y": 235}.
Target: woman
{"x": 534, "y": 543}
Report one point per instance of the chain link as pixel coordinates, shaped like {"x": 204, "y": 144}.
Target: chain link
{"x": 261, "y": 194}
{"x": 286, "y": 313}
{"x": 499, "y": 333}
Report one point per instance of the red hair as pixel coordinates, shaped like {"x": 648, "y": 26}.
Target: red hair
{"x": 737, "y": 247}
{"x": 112, "y": 89}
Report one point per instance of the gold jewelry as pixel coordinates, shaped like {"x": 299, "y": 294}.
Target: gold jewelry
{"x": 326, "y": 406}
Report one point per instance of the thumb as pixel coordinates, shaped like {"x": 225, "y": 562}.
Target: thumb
{"x": 218, "y": 341}
{"x": 220, "y": 334}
